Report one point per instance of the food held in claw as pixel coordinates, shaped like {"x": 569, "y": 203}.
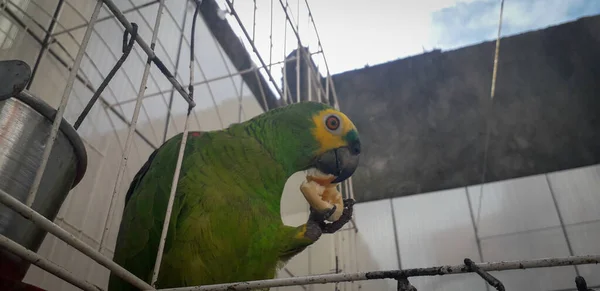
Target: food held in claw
{"x": 321, "y": 194}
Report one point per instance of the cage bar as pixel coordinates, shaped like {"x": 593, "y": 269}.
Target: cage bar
{"x": 70, "y": 239}
{"x": 149, "y": 51}
{"x": 61, "y": 108}
{"x": 134, "y": 120}
{"x": 249, "y": 38}
{"x": 45, "y": 264}
{"x": 394, "y": 274}
{"x": 175, "y": 182}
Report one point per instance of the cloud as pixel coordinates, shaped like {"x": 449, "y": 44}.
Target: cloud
{"x": 354, "y": 33}
{"x": 470, "y": 23}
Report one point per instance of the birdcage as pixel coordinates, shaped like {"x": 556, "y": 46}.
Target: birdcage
{"x": 90, "y": 88}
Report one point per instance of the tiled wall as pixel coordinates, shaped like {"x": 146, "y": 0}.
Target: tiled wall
{"x": 519, "y": 219}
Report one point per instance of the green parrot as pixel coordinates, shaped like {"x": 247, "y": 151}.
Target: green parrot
{"x": 226, "y": 224}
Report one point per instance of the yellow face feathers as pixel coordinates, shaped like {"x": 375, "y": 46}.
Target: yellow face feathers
{"x": 331, "y": 127}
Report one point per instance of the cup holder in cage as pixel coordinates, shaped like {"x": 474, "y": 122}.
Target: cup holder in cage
{"x": 25, "y": 125}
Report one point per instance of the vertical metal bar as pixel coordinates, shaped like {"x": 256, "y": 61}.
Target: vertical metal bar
{"x": 271, "y": 39}
{"x": 327, "y": 84}
{"x": 309, "y": 81}
{"x": 395, "y": 234}
{"x": 492, "y": 94}
{"x": 262, "y": 62}
{"x": 318, "y": 85}
{"x": 61, "y": 108}
{"x": 175, "y": 182}
{"x": 262, "y": 90}
{"x": 210, "y": 91}
{"x": 167, "y": 219}
{"x": 285, "y": 81}
{"x": 178, "y": 58}
{"x": 336, "y": 105}
{"x": 312, "y": 20}
{"x": 475, "y": 231}
{"x": 241, "y": 96}
{"x": 497, "y": 51}
{"x": 334, "y": 94}
{"x": 46, "y": 41}
{"x": 561, "y": 220}
{"x": 298, "y": 53}
{"x": 254, "y": 22}
{"x": 134, "y": 119}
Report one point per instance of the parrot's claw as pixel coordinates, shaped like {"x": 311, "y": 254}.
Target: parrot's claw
{"x": 321, "y": 216}
{"x": 338, "y": 224}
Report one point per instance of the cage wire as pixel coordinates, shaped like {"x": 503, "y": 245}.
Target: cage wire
{"x": 140, "y": 76}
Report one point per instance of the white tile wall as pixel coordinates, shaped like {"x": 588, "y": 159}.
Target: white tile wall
{"x": 577, "y": 194}
{"x": 532, "y": 245}
{"x": 375, "y": 242}
{"x": 436, "y": 229}
{"x": 585, "y": 240}
{"x": 515, "y": 205}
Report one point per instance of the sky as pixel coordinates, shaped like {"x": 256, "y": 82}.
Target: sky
{"x": 355, "y": 34}
{"x": 358, "y": 33}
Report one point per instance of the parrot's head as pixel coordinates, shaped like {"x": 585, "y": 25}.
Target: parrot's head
{"x": 338, "y": 146}
{"x": 312, "y": 137}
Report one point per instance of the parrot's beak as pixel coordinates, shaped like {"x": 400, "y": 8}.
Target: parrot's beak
{"x": 340, "y": 162}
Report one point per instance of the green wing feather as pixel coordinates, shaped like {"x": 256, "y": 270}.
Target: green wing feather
{"x": 222, "y": 222}
{"x": 226, "y": 224}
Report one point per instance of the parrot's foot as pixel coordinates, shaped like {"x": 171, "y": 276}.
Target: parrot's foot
{"x": 320, "y": 216}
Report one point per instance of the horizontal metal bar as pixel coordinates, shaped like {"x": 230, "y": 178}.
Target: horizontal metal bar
{"x": 246, "y": 71}
{"x": 195, "y": 84}
{"x": 394, "y": 274}
{"x": 149, "y": 51}
{"x": 80, "y": 78}
{"x": 70, "y": 239}
{"x": 45, "y": 264}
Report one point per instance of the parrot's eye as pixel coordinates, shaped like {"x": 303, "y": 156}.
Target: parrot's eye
{"x": 333, "y": 123}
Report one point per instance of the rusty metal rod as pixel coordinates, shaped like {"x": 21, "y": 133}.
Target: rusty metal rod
{"x": 484, "y": 275}
{"x": 249, "y": 38}
{"x": 49, "y": 226}
{"x": 62, "y": 107}
{"x": 45, "y": 264}
{"x": 149, "y": 50}
{"x": 394, "y": 274}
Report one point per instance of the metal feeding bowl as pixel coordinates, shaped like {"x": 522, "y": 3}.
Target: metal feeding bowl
{"x": 25, "y": 123}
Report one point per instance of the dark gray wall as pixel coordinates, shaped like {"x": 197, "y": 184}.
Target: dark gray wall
{"x": 423, "y": 119}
